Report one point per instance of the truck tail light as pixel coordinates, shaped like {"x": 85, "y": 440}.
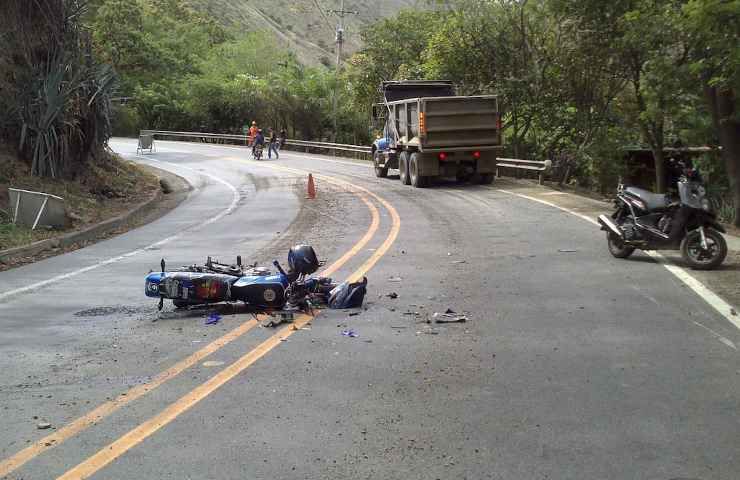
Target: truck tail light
{"x": 422, "y": 124}
{"x": 442, "y": 156}
{"x": 476, "y": 155}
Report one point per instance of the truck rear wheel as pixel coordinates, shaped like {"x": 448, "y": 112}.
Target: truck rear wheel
{"x": 380, "y": 172}
{"x": 416, "y": 180}
{"x": 403, "y": 168}
{"x": 485, "y": 178}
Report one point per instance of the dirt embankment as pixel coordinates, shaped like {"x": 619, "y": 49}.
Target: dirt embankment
{"x": 99, "y": 193}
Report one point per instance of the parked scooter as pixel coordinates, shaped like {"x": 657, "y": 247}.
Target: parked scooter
{"x": 651, "y": 221}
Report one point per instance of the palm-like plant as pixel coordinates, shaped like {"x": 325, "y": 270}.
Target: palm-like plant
{"x": 64, "y": 106}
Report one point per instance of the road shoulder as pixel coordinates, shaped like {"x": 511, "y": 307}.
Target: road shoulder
{"x": 171, "y": 191}
{"x": 724, "y": 281}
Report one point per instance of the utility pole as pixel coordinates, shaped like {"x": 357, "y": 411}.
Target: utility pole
{"x": 339, "y": 39}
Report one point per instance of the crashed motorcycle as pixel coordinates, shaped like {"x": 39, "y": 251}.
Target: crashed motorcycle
{"x": 259, "y": 288}
{"x": 651, "y": 221}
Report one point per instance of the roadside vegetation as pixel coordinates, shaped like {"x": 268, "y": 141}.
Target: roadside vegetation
{"x": 56, "y": 117}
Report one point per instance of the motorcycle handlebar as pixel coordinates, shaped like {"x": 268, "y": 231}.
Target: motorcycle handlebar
{"x": 279, "y": 268}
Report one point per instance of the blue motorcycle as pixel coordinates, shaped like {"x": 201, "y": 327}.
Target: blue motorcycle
{"x": 259, "y": 288}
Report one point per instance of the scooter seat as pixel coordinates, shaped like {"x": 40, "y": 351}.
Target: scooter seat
{"x": 653, "y": 201}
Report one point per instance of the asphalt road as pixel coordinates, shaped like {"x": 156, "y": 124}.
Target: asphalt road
{"x": 572, "y": 364}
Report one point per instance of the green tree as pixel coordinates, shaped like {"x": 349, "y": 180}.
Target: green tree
{"x": 713, "y": 27}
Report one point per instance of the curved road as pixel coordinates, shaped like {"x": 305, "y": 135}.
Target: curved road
{"x": 572, "y": 364}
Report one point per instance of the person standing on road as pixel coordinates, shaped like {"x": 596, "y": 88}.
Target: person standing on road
{"x": 283, "y": 137}
{"x": 274, "y": 144}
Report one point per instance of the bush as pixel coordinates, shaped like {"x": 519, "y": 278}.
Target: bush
{"x": 126, "y": 121}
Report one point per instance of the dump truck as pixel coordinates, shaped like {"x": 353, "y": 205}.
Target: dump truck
{"x": 426, "y": 132}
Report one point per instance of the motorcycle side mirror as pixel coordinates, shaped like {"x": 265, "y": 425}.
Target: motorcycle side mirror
{"x": 162, "y": 264}
{"x": 238, "y": 260}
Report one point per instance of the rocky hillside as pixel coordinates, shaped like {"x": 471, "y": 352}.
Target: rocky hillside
{"x": 306, "y": 27}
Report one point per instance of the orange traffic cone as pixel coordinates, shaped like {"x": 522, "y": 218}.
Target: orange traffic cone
{"x": 311, "y": 187}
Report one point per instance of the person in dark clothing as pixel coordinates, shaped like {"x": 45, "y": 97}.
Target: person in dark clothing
{"x": 273, "y": 145}
{"x": 283, "y": 137}
{"x": 259, "y": 139}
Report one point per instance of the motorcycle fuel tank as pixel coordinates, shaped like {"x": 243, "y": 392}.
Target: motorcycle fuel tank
{"x": 261, "y": 291}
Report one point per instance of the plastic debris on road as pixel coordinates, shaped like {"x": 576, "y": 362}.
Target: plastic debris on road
{"x": 449, "y": 316}
{"x": 213, "y": 318}
{"x": 350, "y": 333}
{"x": 392, "y": 295}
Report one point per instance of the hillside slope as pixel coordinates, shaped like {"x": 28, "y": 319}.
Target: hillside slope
{"x": 305, "y": 26}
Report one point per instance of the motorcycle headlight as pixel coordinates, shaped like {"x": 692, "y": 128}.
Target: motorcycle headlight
{"x": 705, "y": 205}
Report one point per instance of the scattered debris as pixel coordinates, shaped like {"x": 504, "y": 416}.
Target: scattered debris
{"x": 567, "y": 250}
{"x": 392, "y": 295}
{"x": 213, "y": 363}
{"x": 43, "y": 425}
{"x": 276, "y": 318}
{"x": 733, "y": 311}
{"x": 459, "y": 261}
{"x": 449, "y": 317}
{"x": 399, "y": 326}
{"x": 395, "y": 279}
{"x": 213, "y": 318}
{"x": 353, "y": 314}
{"x": 350, "y": 333}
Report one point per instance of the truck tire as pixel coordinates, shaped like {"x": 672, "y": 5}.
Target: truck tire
{"x": 403, "y": 168}
{"x": 380, "y": 172}
{"x": 485, "y": 178}
{"x": 416, "y": 180}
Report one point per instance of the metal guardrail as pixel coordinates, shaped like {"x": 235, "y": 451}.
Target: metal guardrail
{"x": 201, "y": 136}
{"x": 541, "y": 167}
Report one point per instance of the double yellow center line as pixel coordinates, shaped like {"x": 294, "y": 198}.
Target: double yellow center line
{"x": 138, "y": 434}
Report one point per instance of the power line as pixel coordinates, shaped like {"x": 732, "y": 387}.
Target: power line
{"x": 321, "y": 11}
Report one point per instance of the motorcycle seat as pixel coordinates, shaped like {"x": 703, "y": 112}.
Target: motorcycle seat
{"x": 653, "y": 201}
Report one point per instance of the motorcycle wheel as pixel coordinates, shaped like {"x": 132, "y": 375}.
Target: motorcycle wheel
{"x": 617, "y": 247}
{"x": 380, "y": 172}
{"x": 697, "y": 257}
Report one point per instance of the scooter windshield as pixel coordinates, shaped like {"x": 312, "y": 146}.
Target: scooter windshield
{"x": 691, "y": 193}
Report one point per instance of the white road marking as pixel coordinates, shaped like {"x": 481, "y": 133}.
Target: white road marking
{"x": 556, "y": 193}
{"x": 722, "y": 307}
{"x": 550, "y": 204}
{"x": 234, "y": 203}
{"x": 719, "y": 337}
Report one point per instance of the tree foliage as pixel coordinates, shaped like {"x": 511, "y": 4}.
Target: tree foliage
{"x": 55, "y": 93}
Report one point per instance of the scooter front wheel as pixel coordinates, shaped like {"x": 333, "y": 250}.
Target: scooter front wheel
{"x": 704, "y": 259}
{"x": 617, "y": 247}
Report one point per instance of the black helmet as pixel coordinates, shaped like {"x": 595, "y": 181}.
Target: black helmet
{"x": 302, "y": 259}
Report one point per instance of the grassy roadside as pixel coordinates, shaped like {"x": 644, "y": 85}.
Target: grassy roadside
{"x": 101, "y": 192}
